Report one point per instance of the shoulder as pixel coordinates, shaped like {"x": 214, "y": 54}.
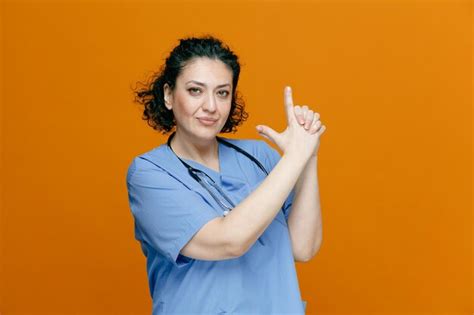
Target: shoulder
{"x": 143, "y": 163}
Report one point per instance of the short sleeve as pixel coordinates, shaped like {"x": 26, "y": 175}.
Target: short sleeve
{"x": 166, "y": 212}
{"x": 271, "y": 158}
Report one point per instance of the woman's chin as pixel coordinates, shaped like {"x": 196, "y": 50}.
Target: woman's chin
{"x": 207, "y": 133}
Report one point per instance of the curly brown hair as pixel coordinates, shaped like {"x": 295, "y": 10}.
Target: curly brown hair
{"x": 151, "y": 96}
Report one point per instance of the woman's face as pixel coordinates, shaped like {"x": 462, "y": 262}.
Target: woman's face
{"x": 202, "y": 98}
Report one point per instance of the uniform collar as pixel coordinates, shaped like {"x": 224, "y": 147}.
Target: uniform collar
{"x": 230, "y": 176}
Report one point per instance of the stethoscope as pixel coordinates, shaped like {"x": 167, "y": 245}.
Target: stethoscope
{"x": 202, "y": 178}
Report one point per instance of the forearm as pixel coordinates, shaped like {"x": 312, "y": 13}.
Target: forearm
{"x": 249, "y": 219}
{"x": 304, "y": 221}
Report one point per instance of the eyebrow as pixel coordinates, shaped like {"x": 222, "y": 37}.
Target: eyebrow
{"x": 203, "y": 84}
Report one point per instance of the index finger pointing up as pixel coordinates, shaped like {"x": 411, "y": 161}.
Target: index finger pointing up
{"x": 289, "y": 104}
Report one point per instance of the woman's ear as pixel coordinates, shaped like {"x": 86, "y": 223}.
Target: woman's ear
{"x": 167, "y": 96}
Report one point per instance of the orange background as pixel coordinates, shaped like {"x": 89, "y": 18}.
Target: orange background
{"x": 392, "y": 81}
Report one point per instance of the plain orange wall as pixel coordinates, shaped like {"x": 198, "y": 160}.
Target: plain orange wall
{"x": 390, "y": 79}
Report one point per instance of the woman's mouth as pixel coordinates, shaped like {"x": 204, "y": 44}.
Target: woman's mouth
{"x": 207, "y": 121}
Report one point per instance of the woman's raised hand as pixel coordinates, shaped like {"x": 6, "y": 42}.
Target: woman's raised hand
{"x": 301, "y": 136}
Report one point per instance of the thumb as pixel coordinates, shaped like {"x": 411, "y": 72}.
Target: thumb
{"x": 267, "y": 132}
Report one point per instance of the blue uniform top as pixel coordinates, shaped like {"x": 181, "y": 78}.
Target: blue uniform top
{"x": 169, "y": 207}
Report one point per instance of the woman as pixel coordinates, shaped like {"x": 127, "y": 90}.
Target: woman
{"x": 215, "y": 228}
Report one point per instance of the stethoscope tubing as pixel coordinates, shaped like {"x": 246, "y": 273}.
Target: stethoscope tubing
{"x": 193, "y": 173}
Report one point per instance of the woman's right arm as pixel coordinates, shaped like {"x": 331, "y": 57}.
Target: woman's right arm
{"x": 231, "y": 236}
{"x": 250, "y": 218}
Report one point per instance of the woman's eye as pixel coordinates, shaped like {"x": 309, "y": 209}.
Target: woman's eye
{"x": 193, "y": 90}
{"x": 225, "y": 93}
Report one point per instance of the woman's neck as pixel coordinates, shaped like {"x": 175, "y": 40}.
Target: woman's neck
{"x": 200, "y": 151}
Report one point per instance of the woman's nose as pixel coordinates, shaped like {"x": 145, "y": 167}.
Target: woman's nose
{"x": 210, "y": 104}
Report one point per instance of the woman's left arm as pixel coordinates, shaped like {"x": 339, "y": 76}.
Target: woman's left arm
{"x": 304, "y": 221}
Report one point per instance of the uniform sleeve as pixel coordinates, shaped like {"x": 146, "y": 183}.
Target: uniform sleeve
{"x": 167, "y": 213}
{"x": 271, "y": 158}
